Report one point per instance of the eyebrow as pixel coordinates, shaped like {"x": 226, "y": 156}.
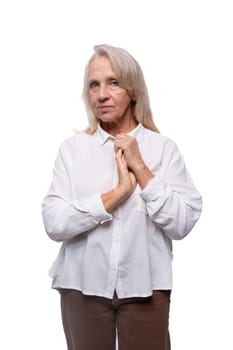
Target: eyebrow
{"x": 110, "y": 77}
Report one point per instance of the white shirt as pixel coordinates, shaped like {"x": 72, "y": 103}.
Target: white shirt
{"x": 130, "y": 249}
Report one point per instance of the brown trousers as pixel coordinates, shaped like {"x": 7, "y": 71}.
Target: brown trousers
{"x": 91, "y": 323}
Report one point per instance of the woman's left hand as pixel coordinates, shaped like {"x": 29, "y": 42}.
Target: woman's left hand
{"x": 129, "y": 146}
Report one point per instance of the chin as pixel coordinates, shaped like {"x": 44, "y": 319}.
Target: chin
{"x": 107, "y": 119}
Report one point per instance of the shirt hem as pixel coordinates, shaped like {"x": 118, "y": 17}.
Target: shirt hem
{"x": 108, "y": 296}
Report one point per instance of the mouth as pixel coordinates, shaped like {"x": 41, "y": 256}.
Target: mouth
{"x": 104, "y": 108}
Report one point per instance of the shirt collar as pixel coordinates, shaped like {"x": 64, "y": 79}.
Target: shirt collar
{"x": 103, "y": 136}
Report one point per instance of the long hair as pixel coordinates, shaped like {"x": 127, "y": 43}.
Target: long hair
{"x": 130, "y": 76}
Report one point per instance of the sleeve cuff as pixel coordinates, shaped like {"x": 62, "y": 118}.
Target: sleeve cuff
{"x": 95, "y": 207}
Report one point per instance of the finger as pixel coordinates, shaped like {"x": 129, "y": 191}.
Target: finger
{"x": 120, "y": 144}
{"x": 119, "y": 156}
{"x": 118, "y": 152}
{"x": 125, "y": 141}
{"x": 121, "y": 138}
{"x": 117, "y": 144}
{"x": 120, "y": 159}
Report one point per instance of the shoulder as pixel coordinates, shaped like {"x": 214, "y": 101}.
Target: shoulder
{"x": 76, "y": 144}
{"x": 159, "y": 140}
{"x": 79, "y": 139}
{"x": 164, "y": 147}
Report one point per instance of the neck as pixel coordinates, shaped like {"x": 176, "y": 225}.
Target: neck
{"x": 115, "y": 128}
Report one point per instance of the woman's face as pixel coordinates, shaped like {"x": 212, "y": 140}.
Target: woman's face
{"x": 109, "y": 101}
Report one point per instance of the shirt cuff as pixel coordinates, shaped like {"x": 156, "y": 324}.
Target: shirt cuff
{"x": 95, "y": 207}
{"x": 155, "y": 189}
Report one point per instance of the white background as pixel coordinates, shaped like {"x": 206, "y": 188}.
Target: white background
{"x": 185, "y": 50}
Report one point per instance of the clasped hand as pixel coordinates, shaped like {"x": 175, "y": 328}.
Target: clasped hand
{"x": 128, "y": 159}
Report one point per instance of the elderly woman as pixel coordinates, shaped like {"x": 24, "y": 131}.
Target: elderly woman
{"x": 120, "y": 194}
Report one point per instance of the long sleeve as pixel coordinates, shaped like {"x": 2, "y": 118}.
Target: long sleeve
{"x": 64, "y": 215}
{"x": 173, "y": 203}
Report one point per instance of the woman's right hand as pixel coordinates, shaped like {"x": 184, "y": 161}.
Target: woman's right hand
{"x": 126, "y": 184}
{"x": 127, "y": 180}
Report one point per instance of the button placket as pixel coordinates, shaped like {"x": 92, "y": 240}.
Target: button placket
{"x": 114, "y": 255}
{"x": 116, "y": 242}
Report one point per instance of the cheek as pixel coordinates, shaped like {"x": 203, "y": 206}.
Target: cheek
{"x": 125, "y": 101}
{"x": 92, "y": 101}
{"x": 122, "y": 98}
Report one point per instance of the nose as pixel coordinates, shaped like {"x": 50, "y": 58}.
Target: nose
{"x": 103, "y": 92}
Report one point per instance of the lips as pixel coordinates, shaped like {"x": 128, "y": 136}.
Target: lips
{"x": 104, "y": 108}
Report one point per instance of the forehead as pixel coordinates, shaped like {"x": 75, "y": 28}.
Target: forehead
{"x": 100, "y": 67}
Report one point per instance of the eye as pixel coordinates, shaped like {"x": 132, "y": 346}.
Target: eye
{"x": 113, "y": 83}
{"x": 93, "y": 85}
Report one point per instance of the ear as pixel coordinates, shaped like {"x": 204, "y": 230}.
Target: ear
{"x": 131, "y": 94}
{"x": 133, "y": 98}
